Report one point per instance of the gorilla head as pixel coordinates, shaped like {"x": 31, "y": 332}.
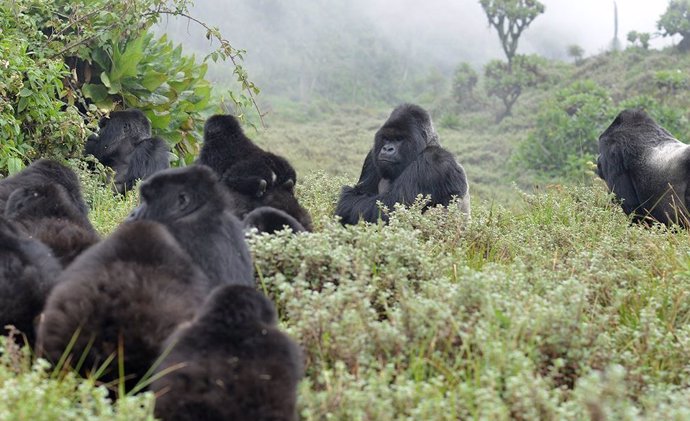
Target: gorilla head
{"x": 193, "y": 204}
{"x": 406, "y": 133}
{"x": 120, "y": 126}
{"x": 230, "y": 363}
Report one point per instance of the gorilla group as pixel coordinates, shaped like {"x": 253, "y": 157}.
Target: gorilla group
{"x": 124, "y": 143}
{"x": 406, "y": 160}
{"x": 646, "y": 168}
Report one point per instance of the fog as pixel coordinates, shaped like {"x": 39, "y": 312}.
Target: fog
{"x": 306, "y": 42}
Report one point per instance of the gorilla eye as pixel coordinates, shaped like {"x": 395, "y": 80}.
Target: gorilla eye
{"x": 182, "y": 200}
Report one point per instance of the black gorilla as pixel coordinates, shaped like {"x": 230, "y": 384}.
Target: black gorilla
{"x": 230, "y": 363}
{"x": 269, "y": 220}
{"x": 255, "y": 177}
{"x": 406, "y": 160}
{"x": 646, "y": 168}
{"x": 124, "y": 143}
{"x": 28, "y": 271}
{"x": 244, "y": 166}
{"x": 47, "y": 212}
{"x": 194, "y": 206}
{"x": 131, "y": 290}
{"x": 42, "y": 172}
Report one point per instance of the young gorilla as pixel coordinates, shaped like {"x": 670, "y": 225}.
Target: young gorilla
{"x": 230, "y": 363}
{"x": 406, "y": 160}
{"x": 46, "y": 212}
{"x": 27, "y": 274}
{"x": 254, "y": 177}
{"x": 194, "y": 206}
{"x": 129, "y": 292}
{"x": 42, "y": 172}
{"x": 646, "y": 168}
{"x": 124, "y": 143}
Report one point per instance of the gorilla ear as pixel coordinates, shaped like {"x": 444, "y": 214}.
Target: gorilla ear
{"x": 289, "y": 185}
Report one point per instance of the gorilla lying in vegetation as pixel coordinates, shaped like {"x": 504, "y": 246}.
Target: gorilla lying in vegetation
{"x": 646, "y": 168}
{"x": 406, "y": 160}
{"x": 255, "y": 177}
{"x": 48, "y": 213}
{"x": 44, "y": 171}
{"x": 131, "y": 290}
{"x": 27, "y": 274}
{"x": 124, "y": 143}
{"x": 230, "y": 363}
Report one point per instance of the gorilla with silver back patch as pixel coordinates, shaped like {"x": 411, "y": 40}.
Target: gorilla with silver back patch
{"x": 47, "y": 212}
{"x": 230, "y": 363}
{"x": 129, "y": 292}
{"x": 28, "y": 272}
{"x": 124, "y": 143}
{"x": 194, "y": 205}
{"x": 646, "y": 168}
{"x": 406, "y": 160}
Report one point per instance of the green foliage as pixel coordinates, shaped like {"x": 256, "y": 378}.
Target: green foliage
{"x": 507, "y": 81}
{"x": 31, "y": 391}
{"x": 464, "y": 81}
{"x": 154, "y": 76}
{"x": 672, "y": 82}
{"x": 32, "y": 122}
{"x": 642, "y": 37}
{"x": 576, "y": 52}
{"x": 56, "y": 55}
{"x": 567, "y": 129}
{"x": 676, "y": 21}
{"x": 510, "y": 18}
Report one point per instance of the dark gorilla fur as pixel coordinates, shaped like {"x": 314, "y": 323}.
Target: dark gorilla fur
{"x": 243, "y": 165}
{"x": 193, "y": 204}
{"x": 646, "y": 168}
{"x": 133, "y": 289}
{"x": 269, "y": 220}
{"x": 46, "y": 212}
{"x": 234, "y": 363}
{"x": 124, "y": 143}
{"x": 28, "y": 271}
{"x": 255, "y": 177}
{"x": 42, "y": 172}
{"x": 406, "y": 160}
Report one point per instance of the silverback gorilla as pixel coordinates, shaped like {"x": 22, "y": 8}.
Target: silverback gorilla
{"x": 124, "y": 143}
{"x": 646, "y": 168}
{"x": 230, "y": 363}
{"x": 406, "y": 160}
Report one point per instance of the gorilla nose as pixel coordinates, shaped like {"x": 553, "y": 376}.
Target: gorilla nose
{"x": 388, "y": 150}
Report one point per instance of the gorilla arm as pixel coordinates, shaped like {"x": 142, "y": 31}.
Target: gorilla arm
{"x": 435, "y": 173}
{"x": 612, "y": 169}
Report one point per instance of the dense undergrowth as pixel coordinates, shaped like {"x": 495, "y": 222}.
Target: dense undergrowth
{"x": 561, "y": 310}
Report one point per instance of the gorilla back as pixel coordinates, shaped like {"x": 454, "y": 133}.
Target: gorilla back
{"x": 193, "y": 204}
{"x": 646, "y": 168}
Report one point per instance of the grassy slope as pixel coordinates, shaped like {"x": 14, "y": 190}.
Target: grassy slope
{"x": 546, "y": 305}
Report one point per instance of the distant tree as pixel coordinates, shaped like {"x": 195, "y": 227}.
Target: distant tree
{"x": 676, "y": 20}
{"x": 576, "y": 52}
{"x": 508, "y": 82}
{"x": 511, "y": 18}
{"x": 643, "y": 37}
{"x": 615, "y": 42}
{"x": 464, "y": 81}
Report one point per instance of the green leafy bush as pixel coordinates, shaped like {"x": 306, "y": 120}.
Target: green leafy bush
{"x": 567, "y": 130}
{"x": 464, "y": 81}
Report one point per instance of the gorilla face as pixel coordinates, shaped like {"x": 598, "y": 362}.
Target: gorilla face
{"x": 395, "y": 148}
{"x": 119, "y": 126}
{"x": 174, "y": 194}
